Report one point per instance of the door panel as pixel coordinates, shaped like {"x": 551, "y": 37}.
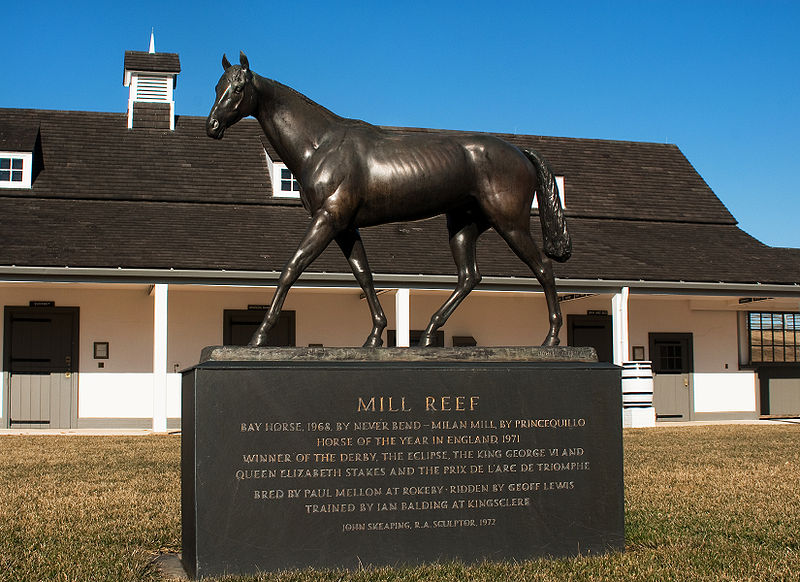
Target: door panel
{"x": 593, "y": 331}
{"x": 671, "y": 396}
{"x": 784, "y": 396}
{"x": 239, "y": 325}
{"x": 673, "y": 364}
{"x": 40, "y": 359}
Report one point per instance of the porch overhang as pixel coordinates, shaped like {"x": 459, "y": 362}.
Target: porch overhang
{"x": 33, "y": 274}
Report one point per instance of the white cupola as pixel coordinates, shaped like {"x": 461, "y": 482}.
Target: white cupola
{"x": 152, "y": 78}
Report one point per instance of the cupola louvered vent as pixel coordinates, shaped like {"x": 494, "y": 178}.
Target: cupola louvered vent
{"x": 151, "y": 77}
{"x": 153, "y": 88}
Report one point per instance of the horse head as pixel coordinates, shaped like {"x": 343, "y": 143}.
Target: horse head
{"x": 236, "y": 97}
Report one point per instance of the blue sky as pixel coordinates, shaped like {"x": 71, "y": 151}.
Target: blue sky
{"x": 719, "y": 79}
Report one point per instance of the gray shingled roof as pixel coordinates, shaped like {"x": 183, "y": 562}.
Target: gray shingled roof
{"x": 152, "y": 62}
{"x": 94, "y": 156}
{"x": 18, "y": 136}
{"x": 112, "y": 197}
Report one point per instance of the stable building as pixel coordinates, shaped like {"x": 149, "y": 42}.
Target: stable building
{"x": 131, "y": 240}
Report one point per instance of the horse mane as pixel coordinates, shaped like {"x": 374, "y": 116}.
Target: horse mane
{"x": 295, "y": 93}
{"x": 308, "y": 101}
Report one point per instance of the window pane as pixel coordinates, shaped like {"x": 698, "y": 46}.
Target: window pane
{"x": 16, "y": 164}
{"x": 286, "y": 185}
{"x": 774, "y": 337}
{"x": 16, "y": 176}
{"x": 286, "y": 174}
{"x": 5, "y": 163}
{"x": 295, "y": 186}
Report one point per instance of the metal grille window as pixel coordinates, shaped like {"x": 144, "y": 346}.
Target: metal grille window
{"x": 774, "y": 337}
{"x": 11, "y": 170}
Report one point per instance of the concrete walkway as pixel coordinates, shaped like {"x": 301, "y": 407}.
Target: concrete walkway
{"x": 764, "y": 422}
{"x": 83, "y": 431}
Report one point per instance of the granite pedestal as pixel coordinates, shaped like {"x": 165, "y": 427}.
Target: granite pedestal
{"x": 330, "y": 457}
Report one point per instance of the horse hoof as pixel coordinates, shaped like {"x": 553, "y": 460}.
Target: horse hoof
{"x": 551, "y": 342}
{"x": 371, "y": 342}
{"x": 257, "y": 342}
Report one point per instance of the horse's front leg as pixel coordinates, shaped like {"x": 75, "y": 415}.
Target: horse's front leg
{"x": 318, "y": 236}
{"x": 353, "y": 248}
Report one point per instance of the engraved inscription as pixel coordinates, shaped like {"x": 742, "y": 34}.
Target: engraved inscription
{"x": 430, "y": 470}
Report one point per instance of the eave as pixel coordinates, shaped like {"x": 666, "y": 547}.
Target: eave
{"x": 12, "y": 273}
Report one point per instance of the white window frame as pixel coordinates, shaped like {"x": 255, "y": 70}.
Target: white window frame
{"x": 27, "y": 167}
{"x": 275, "y": 170}
{"x": 561, "y": 196}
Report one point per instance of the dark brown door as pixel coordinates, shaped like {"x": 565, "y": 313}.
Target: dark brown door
{"x": 593, "y": 331}
{"x": 414, "y": 335}
{"x": 240, "y": 325}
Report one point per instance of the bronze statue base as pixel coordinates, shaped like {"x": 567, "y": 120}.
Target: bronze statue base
{"x": 412, "y": 354}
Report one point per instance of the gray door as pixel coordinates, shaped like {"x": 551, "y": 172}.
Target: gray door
{"x": 671, "y": 354}
{"x": 41, "y": 345}
{"x": 784, "y": 396}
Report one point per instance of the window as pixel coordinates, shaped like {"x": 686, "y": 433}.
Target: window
{"x": 284, "y": 184}
{"x": 671, "y": 353}
{"x": 11, "y": 169}
{"x": 288, "y": 182}
{"x": 773, "y": 337}
{"x": 15, "y": 169}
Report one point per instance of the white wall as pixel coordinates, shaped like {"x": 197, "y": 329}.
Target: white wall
{"x": 123, "y": 316}
{"x": 718, "y": 384}
{"x": 714, "y": 333}
{"x": 335, "y": 317}
{"x": 492, "y": 318}
{"x": 725, "y": 392}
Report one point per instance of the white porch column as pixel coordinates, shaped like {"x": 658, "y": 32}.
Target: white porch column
{"x": 160, "y": 358}
{"x": 402, "y": 309}
{"x": 619, "y": 318}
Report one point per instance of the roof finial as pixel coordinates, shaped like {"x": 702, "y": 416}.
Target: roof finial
{"x": 152, "y": 41}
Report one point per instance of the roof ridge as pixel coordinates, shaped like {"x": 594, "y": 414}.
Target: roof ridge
{"x": 387, "y": 127}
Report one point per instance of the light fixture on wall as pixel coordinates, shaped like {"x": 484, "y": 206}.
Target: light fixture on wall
{"x": 100, "y": 350}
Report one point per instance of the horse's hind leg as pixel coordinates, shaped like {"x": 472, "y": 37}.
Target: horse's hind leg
{"x": 464, "y": 232}
{"x": 520, "y": 241}
{"x": 353, "y": 248}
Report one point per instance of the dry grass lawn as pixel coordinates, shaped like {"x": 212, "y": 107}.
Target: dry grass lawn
{"x": 702, "y": 503}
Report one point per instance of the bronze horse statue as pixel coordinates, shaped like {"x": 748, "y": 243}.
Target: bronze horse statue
{"x": 353, "y": 174}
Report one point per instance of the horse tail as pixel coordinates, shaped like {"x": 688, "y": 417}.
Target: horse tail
{"x": 557, "y": 242}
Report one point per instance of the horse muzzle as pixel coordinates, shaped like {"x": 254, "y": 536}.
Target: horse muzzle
{"x": 214, "y": 128}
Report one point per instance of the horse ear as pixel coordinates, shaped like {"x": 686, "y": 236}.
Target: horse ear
{"x": 225, "y": 62}
{"x": 243, "y": 61}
